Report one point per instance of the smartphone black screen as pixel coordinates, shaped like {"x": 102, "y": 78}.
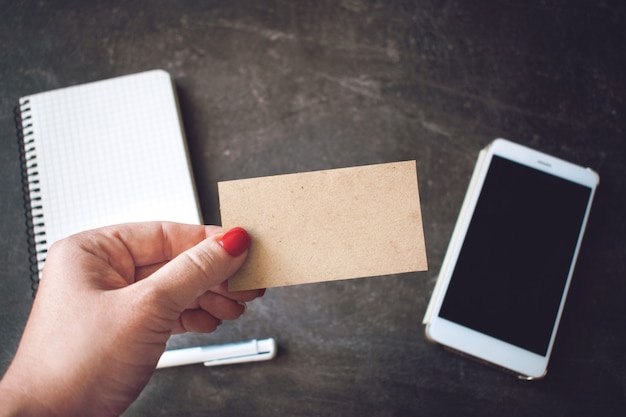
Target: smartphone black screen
{"x": 513, "y": 266}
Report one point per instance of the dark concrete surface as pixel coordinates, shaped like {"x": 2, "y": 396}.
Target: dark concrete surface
{"x": 270, "y": 87}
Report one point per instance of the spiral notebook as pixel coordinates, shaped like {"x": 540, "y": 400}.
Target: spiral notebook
{"x": 102, "y": 153}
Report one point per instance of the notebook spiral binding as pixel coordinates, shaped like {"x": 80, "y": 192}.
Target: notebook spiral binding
{"x": 35, "y": 225}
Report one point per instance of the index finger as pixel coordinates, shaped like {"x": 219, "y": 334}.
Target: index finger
{"x": 152, "y": 243}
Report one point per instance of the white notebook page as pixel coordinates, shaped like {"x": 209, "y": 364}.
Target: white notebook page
{"x": 109, "y": 152}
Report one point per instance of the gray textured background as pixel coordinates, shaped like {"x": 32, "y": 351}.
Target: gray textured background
{"x": 271, "y": 87}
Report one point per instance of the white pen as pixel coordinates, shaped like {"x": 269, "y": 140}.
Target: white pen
{"x": 249, "y": 351}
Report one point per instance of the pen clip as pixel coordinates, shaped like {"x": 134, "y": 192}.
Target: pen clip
{"x": 266, "y": 351}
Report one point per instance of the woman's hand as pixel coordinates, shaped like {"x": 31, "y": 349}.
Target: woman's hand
{"x": 107, "y": 303}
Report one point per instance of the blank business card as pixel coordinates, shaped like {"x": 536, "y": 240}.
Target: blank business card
{"x": 326, "y": 225}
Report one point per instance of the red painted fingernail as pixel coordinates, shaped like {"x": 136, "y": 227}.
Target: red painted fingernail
{"x": 261, "y": 293}
{"x": 235, "y": 241}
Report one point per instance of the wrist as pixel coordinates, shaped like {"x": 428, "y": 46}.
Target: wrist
{"x": 22, "y": 394}
{"x": 16, "y": 401}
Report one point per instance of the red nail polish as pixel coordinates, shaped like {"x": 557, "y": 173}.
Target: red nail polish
{"x": 261, "y": 293}
{"x": 235, "y": 241}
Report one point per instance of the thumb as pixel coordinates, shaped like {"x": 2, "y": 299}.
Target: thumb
{"x": 192, "y": 273}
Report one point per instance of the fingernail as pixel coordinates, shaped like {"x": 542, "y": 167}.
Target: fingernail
{"x": 261, "y": 293}
{"x": 245, "y": 307}
{"x": 235, "y": 241}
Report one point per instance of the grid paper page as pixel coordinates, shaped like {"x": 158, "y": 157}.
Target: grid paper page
{"x": 109, "y": 152}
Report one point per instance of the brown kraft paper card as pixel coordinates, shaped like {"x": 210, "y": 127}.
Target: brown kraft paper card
{"x": 326, "y": 225}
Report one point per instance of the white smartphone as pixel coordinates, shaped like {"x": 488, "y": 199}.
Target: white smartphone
{"x": 505, "y": 276}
